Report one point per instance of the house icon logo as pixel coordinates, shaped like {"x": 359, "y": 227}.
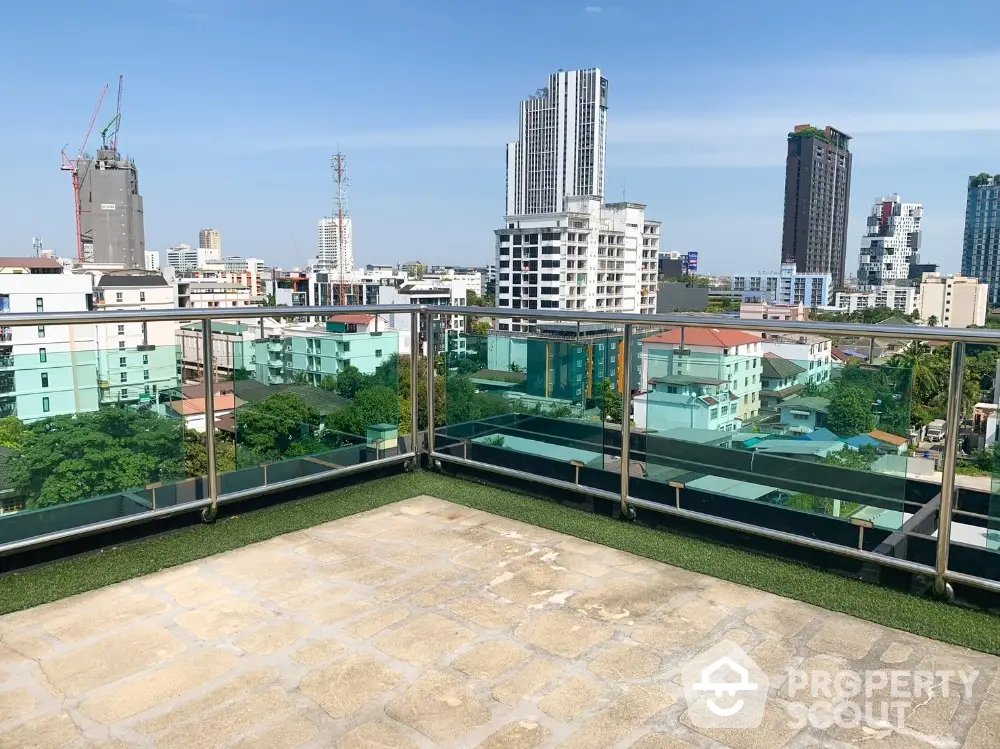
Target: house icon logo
{"x": 724, "y": 688}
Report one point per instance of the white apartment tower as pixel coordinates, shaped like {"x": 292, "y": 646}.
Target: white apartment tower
{"x": 891, "y": 243}
{"x": 210, "y": 239}
{"x": 329, "y": 249}
{"x": 559, "y": 150}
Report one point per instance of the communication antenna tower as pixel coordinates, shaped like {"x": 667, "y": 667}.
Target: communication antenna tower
{"x": 339, "y": 164}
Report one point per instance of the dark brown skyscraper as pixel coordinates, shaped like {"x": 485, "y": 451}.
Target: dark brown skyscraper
{"x": 817, "y": 194}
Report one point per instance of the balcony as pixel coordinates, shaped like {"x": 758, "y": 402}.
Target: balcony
{"x": 334, "y": 571}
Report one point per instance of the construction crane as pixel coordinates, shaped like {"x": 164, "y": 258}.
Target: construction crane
{"x": 69, "y": 164}
{"x": 339, "y": 164}
{"x": 115, "y": 123}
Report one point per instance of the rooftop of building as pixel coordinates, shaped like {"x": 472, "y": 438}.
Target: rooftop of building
{"x": 707, "y": 337}
{"x": 196, "y": 406}
{"x": 352, "y": 319}
{"x": 777, "y": 367}
{"x": 125, "y": 279}
{"x": 808, "y": 403}
{"x": 685, "y": 380}
{"x": 30, "y": 262}
{"x": 422, "y": 610}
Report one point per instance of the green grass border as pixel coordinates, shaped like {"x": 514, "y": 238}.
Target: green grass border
{"x": 966, "y": 627}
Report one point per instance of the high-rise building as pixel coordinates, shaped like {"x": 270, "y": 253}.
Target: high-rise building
{"x": 183, "y": 257}
{"x": 892, "y": 242}
{"x": 981, "y": 244}
{"x": 152, "y": 260}
{"x": 817, "y": 195}
{"x": 111, "y": 215}
{"x": 210, "y": 239}
{"x": 559, "y": 150}
{"x": 329, "y": 249}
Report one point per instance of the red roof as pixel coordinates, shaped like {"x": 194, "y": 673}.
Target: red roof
{"x": 889, "y": 439}
{"x": 29, "y": 262}
{"x": 711, "y": 337}
{"x": 354, "y": 319}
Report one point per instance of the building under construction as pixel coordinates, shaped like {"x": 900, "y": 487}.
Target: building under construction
{"x": 111, "y": 223}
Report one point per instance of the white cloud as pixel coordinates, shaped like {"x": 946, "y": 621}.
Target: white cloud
{"x": 593, "y": 9}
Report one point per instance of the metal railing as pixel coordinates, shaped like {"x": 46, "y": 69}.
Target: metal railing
{"x": 958, "y": 338}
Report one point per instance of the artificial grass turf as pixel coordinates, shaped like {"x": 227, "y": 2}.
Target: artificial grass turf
{"x": 971, "y": 628}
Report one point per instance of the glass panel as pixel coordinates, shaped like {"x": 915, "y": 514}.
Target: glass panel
{"x": 90, "y": 431}
{"x": 307, "y": 397}
{"x": 734, "y": 420}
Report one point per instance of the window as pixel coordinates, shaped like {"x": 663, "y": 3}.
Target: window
{"x": 145, "y": 358}
{"x": 45, "y": 379}
{"x": 45, "y": 404}
{"x": 123, "y": 393}
{"x": 121, "y": 330}
{"x": 39, "y": 304}
{"x": 145, "y": 374}
{"x": 347, "y": 346}
{"x": 43, "y": 355}
{"x": 121, "y": 345}
{"x": 145, "y": 389}
{"x": 41, "y": 331}
{"x": 378, "y": 353}
{"x": 118, "y": 296}
{"x": 142, "y": 294}
{"x": 123, "y": 377}
{"x": 122, "y": 361}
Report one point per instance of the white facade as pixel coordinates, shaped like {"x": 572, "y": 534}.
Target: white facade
{"x": 590, "y": 257}
{"x": 560, "y": 146}
{"x": 903, "y": 299}
{"x": 204, "y": 293}
{"x": 329, "y": 248}
{"x": 956, "y": 301}
{"x": 183, "y": 257}
{"x": 210, "y": 239}
{"x": 470, "y": 280}
{"x": 152, "y": 260}
{"x": 891, "y": 243}
{"x": 813, "y": 353}
{"x": 787, "y": 286}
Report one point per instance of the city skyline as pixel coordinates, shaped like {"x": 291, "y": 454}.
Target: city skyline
{"x": 709, "y": 115}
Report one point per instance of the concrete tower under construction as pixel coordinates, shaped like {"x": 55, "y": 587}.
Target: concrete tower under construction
{"x": 111, "y": 221}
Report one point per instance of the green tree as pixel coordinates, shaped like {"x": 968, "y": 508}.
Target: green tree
{"x": 11, "y": 432}
{"x": 270, "y": 427}
{"x": 481, "y": 328}
{"x": 328, "y": 383}
{"x": 350, "y": 382}
{"x": 374, "y": 405}
{"x": 241, "y": 373}
{"x": 196, "y": 454}
{"x": 613, "y": 402}
{"x": 850, "y": 412}
{"x": 932, "y": 321}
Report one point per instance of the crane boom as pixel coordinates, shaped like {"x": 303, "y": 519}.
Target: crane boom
{"x": 69, "y": 164}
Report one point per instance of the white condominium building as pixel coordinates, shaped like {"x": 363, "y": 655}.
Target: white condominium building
{"x": 786, "y": 286}
{"x": 330, "y": 250}
{"x": 953, "y": 301}
{"x": 903, "y": 299}
{"x": 560, "y": 146}
{"x": 589, "y": 257}
{"x": 891, "y": 243}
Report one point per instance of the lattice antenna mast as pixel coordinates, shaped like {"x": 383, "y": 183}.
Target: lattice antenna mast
{"x": 339, "y": 164}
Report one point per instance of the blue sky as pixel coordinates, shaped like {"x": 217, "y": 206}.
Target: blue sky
{"x": 233, "y": 107}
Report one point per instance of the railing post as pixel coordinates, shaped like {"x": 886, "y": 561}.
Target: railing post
{"x": 954, "y": 419}
{"x": 415, "y": 384}
{"x": 429, "y": 323}
{"x": 625, "y": 380}
{"x": 208, "y": 366}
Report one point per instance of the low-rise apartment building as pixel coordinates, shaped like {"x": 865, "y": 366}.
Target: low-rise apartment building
{"x": 953, "y": 301}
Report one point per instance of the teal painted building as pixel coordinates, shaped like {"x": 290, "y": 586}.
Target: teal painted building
{"x": 38, "y": 385}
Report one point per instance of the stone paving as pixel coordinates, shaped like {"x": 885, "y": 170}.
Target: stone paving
{"x": 429, "y": 624}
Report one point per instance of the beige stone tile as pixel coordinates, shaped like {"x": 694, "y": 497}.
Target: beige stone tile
{"x": 536, "y": 583}
{"x": 524, "y": 734}
{"x": 346, "y": 686}
{"x": 150, "y": 690}
{"x": 291, "y": 733}
{"x": 333, "y": 550}
{"x": 196, "y": 708}
{"x": 730, "y": 594}
{"x": 845, "y": 636}
{"x": 286, "y": 588}
{"x": 781, "y": 617}
{"x": 776, "y": 730}
{"x": 424, "y": 639}
{"x": 253, "y": 567}
{"x": 14, "y": 703}
{"x": 624, "y": 600}
{"x": 85, "y": 620}
{"x": 774, "y": 657}
{"x": 661, "y": 741}
{"x": 408, "y": 558}
{"x": 4, "y": 676}
{"x": 986, "y": 728}
{"x": 340, "y": 610}
{"x": 17, "y": 645}
{"x": 585, "y": 564}
{"x": 579, "y": 546}
{"x": 491, "y": 554}
{"x": 625, "y": 663}
{"x": 626, "y": 715}
{"x": 162, "y": 685}
{"x": 190, "y": 591}
{"x": 323, "y": 650}
{"x": 46, "y": 732}
{"x": 563, "y": 633}
{"x": 219, "y": 728}
{"x": 375, "y": 736}
{"x": 440, "y": 707}
{"x": 272, "y": 639}
{"x": 222, "y": 617}
{"x": 372, "y": 625}
{"x": 933, "y": 716}
{"x": 896, "y": 653}
{"x": 489, "y": 660}
{"x": 309, "y": 600}
{"x": 815, "y": 668}
{"x": 526, "y": 682}
{"x": 168, "y": 575}
{"x": 571, "y": 698}
{"x": 365, "y": 570}
{"x": 488, "y": 614}
{"x": 398, "y": 590}
{"x": 110, "y": 659}
{"x": 685, "y": 625}
{"x": 441, "y": 593}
